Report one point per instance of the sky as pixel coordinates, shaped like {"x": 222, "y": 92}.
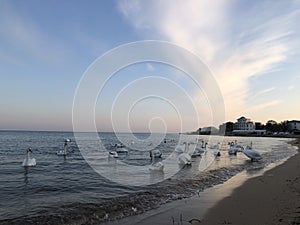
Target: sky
{"x": 251, "y": 49}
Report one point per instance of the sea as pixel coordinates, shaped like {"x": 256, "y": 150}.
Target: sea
{"x": 72, "y": 190}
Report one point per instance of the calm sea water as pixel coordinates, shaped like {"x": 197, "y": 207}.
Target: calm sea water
{"x": 68, "y": 189}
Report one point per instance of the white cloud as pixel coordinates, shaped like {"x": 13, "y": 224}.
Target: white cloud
{"x": 235, "y": 46}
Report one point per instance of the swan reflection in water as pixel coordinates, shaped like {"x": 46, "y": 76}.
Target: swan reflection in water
{"x": 26, "y": 181}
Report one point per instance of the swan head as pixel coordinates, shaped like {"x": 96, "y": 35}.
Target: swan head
{"x": 28, "y": 150}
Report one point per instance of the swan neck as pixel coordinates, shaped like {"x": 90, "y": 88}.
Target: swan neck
{"x": 186, "y": 147}
{"x": 28, "y": 155}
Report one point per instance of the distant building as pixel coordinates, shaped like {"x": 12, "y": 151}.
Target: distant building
{"x": 294, "y": 126}
{"x": 246, "y": 126}
{"x": 226, "y": 128}
{"x": 208, "y": 130}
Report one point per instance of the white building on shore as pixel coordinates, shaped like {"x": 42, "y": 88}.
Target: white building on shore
{"x": 244, "y": 123}
{"x": 245, "y": 126}
{"x": 294, "y": 126}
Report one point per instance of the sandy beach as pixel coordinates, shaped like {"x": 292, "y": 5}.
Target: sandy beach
{"x": 271, "y": 196}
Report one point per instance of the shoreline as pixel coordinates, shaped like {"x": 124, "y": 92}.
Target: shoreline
{"x": 292, "y": 136}
{"x": 274, "y": 198}
{"x": 232, "y": 203}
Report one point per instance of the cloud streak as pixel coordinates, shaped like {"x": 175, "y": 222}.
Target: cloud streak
{"x": 265, "y": 105}
{"x": 236, "y": 43}
{"x": 262, "y": 92}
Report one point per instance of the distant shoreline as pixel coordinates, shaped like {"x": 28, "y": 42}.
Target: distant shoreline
{"x": 184, "y": 133}
{"x": 266, "y": 135}
{"x": 251, "y": 135}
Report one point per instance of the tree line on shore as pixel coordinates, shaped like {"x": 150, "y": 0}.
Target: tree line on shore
{"x": 270, "y": 127}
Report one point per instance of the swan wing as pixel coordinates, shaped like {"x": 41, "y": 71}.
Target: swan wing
{"x": 252, "y": 154}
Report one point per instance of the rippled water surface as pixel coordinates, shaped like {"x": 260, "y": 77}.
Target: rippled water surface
{"x": 63, "y": 186}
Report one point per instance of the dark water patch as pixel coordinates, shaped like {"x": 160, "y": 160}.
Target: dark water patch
{"x": 135, "y": 203}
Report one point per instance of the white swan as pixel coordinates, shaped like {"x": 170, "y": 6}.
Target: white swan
{"x": 64, "y": 152}
{"x": 185, "y": 158}
{"x": 196, "y": 153}
{"x": 155, "y": 153}
{"x": 201, "y": 149}
{"x": 179, "y": 149}
{"x": 251, "y": 153}
{"x": 120, "y": 148}
{"x": 216, "y": 150}
{"x": 28, "y": 161}
{"x": 113, "y": 154}
{"x": 234, "y": 148}
{"x": 159, "y": 166}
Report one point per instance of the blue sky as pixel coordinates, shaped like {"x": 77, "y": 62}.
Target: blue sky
{"x": 251, "y": 47}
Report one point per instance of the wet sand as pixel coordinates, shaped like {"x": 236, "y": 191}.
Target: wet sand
{"x": 270, "y": 196}
{"x": 185, "y": 210}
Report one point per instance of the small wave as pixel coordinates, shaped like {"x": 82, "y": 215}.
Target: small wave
{"x": 135, "y": 203}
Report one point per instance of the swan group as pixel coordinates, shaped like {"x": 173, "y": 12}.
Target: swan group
{"x": 183, "y": 154}
{"x": 234, "y": 148}
{"x": 248, "y": 151}
{"x": 119, "y": 148}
